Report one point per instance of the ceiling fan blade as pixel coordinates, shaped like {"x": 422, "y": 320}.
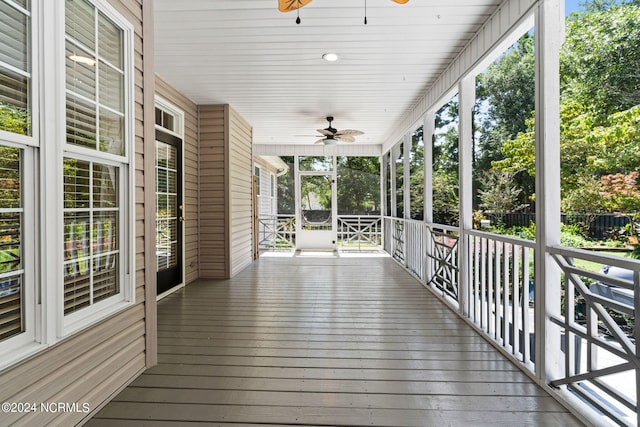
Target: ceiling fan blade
{"x": 346, "y": 138}
{"x": 401, "y": 1}
{"x": 349, "y": 132}
{"x": 289, "y": 5}
{"x": 320, "y": 141}
{"x": 325, "y": 132}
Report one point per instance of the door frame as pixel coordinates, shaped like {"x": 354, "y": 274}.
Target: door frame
{"x": 332, "y": 235}
{"x": 178, "y": 132}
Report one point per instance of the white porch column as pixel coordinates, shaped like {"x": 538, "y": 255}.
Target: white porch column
{"x": 407, "y": 176}
{"x": 548, "y": 37}
{"x": 383, "y": 186}
{"x": 467, "y": 95}
{"x": 429, "y": 128}
{"x": 297, "y": 196}
{"x": 392, "y": 183}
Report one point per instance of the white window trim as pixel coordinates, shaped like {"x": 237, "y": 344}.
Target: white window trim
{"x": 88, "y": 316}
{"x": 29, "y": 342}
{"x": 177, "y": 114}
{"x": 259, "y": 176}
{"x": 273, "y": 191}
{"x": 26, "y": 343}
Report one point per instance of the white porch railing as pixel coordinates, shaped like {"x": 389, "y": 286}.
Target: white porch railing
{"x": 277, "y": 232}
{"x": 355, "y": 232}
{"x": 443, "y": 263}
{"x": 500, "y": 292}
{"x": 598, "y": 332}
{"x": 359, "y": 232}
{"x": 394, "y": 238}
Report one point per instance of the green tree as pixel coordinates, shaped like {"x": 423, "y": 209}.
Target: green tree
{"x": 445, "y": 199}
{"x": 358, "y": 185}
{"x": 506, "y": 101}
{"x": 286, "y": 189}
{"x": 600, "y": 60}
{"x": 499, "y": 194}
{"x": 600, "y": 115}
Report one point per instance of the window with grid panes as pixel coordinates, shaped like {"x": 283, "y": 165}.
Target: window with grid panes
{"x": 95, "y": 156}
{"x": 16, "y": 123}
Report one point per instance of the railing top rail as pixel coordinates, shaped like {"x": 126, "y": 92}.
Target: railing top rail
{"x": 507, "y": 239}
{"x": 359, "y": 216}
{"x": 606, "y": 259}
{"x": 437, "y": 226}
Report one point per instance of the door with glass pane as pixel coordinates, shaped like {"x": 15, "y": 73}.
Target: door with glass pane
{"x": 169, "y": 211}
{"x": 316, "y": 224}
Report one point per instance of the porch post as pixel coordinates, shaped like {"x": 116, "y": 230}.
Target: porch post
{"x": 428, "y": 129}
{"x": 407, "y": 176}
{"x": 297, "y": 196}
{"x": 383, "y": 186}
{"x": 467, "y": 94}
{"x": 427, "y": 137}
{"x": 548, "y": 38}
{"x": 392, "y": 183}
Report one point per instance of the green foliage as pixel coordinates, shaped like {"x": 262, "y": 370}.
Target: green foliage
{"x": 286, "y": 189}
{"x": 570, "y": 234}
{"x": 509, "y": 87}
{"x": 358, "y": 184}
{"x": 499, "y": 193}
{"x": 600, "y": 64}
{"x": 585, "y": 198}
{"x": 445, "y": 199}
{"x": 15, "y": 119}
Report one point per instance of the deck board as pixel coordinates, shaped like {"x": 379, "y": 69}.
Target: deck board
{"x": 324, "y": 341}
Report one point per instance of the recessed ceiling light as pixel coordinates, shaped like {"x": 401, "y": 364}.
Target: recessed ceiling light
{"x": 83, "y": 60}
{"x": 331, "y": 57}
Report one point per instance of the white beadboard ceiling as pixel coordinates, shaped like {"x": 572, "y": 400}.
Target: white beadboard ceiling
{"x": 248, "y": 54}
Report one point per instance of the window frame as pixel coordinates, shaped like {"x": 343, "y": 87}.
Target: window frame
{"x": 15, "y": 348}
{"x": 42, "y": 185}
{"x": 34, "y": 86}
{"x": 257, "y": 172}
{"x": 125, "y": 298}
{"x": 26, "y": 343}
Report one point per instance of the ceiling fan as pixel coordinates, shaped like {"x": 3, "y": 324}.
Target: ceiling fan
{"x": 331, "y": 135}
{"x": 289, "y": 5}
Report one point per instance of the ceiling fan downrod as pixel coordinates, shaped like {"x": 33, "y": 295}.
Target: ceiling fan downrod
{"x": 365, "y": 12}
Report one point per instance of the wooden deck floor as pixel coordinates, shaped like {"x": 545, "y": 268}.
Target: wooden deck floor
{"x": 324, "y": 341}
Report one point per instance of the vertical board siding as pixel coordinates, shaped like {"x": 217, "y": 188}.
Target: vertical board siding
{"x": 211, "y": 195}
{"x": 226, "y": 191}
{"x": 190, "y": 170}
{"x": 241, "y": 190}
{"x": 92, "y": 365}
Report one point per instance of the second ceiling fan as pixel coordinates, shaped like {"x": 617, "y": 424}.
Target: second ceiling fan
{"x": 332, "y": 135}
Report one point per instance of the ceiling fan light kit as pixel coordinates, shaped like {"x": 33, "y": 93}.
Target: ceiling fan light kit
{"x": 331, "y": 136}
